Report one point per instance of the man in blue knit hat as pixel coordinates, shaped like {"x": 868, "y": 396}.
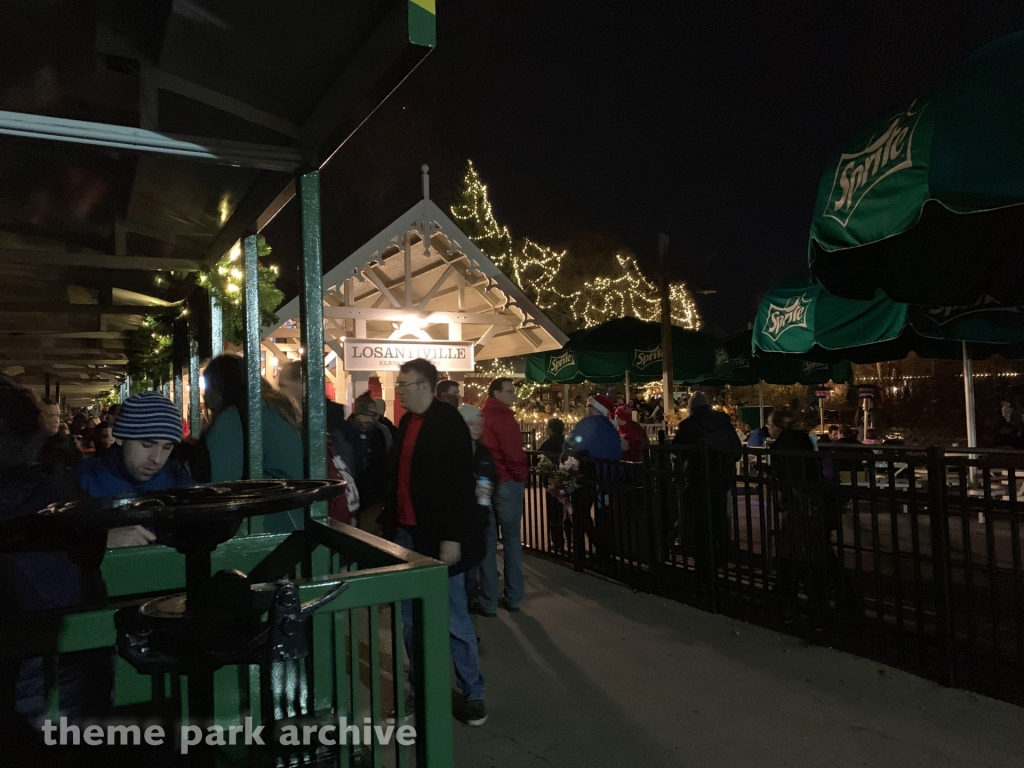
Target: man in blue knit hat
{"x": 147, "y": 430}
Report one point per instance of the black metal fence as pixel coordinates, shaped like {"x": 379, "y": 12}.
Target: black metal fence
{"x": 907, "y": 556}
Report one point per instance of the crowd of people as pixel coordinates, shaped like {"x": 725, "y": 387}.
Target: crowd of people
{"x": 448, "y": 481}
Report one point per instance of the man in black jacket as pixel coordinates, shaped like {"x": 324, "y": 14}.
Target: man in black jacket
{"x": 430, "y": 508}
{"x": 724, "y": 450}
{"x": 59, "y": 578}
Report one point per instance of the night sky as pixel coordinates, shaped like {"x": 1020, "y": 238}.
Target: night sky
{"x": 708, "y": 121}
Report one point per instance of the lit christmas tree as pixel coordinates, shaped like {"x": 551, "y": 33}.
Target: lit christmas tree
{"x": 575, "y": 291}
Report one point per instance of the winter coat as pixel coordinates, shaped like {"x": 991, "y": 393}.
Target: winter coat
{"x": 443, "y": 486}
{"x": 283, "y": 457}
{"x": 635, "y": 435}
{"x": 107, "y": 475}
{"x": 369, "y": 462}
{"x": 553, "y": 446}
{"x": 595, "y": 436}
{"x": 714, "y": 427}
{"x": 483, "y": 464}
{"x": 793, "y": 469}
{"x": 40, "y": 581}
{"x": 504, "y": 440}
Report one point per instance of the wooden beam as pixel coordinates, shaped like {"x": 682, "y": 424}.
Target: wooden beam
{"x": 25, "y": 307}
{"x": 436, "y": 287}
{"x": 70, "y": 362}
{"x": 95, "y": 260}
{"x": 168, "y": 82}
{"x": 59, "y": 354}
{"x": 63, "y": 334}
{"x": 429, "y": 318}
{"x": 370, "y": 273}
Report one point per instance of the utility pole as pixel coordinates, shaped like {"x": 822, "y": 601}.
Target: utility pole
{"x": 668, "y": 401}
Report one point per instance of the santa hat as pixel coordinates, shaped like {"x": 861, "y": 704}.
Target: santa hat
{"x": 602, "y": 404}
{"x": 624, "y": 413}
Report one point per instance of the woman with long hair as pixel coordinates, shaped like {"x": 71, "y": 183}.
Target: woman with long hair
{"x": 225, "y": 435}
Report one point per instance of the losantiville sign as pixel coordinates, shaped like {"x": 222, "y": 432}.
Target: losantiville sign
{"x": 781, "y": 319}
{"x": 859, "y": 172}
{"x": 389, "y": 354}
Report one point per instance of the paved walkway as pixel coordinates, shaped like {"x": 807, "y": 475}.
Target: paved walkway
{"x": 591, "y": 674}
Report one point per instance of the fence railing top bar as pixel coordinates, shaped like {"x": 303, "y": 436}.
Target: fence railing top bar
{"x": 995, "y": 461}
{"x": 372, "y": 547}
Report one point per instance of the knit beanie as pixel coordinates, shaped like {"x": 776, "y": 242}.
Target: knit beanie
{"x": 364, "y": 406}
{"x": 148, "y": 416}
{"x": 602, "y": 404}
{"x": 469, "y": 412}
{"x": 697, "y": 399}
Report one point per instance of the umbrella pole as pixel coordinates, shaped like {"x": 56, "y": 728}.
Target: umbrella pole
{"x": 627, "y": 387}
{"x": 972, "y": 428}
{"x": 821, "y": 413}
{"x": 760, "y": 404}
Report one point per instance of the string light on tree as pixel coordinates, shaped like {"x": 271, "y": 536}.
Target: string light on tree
{"x": 538, "y": 271}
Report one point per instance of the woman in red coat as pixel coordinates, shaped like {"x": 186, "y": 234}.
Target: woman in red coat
{"x": 632, "y": 434}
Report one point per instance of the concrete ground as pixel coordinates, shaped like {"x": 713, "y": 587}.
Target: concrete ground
{"x": 591, "y": 674}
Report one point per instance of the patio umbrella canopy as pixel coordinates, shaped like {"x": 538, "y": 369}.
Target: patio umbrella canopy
{"x": 737, "y": 367}
{"x": 801, "y": 318}
{"x": 938, "y": 183}
{"x": 798, "y": 317}
{"x": 605, "y": 353}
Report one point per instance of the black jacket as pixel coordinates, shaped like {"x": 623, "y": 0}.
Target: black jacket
{"x": 369, "y": 462}
{"x": 705, "y": 423}
{"x": 553, "y": 446}
{"x": 442, "y": 486}
{"x": 793, "y": 469}
{"x": 68, "y": 574}
{"x": 483, "y": 464}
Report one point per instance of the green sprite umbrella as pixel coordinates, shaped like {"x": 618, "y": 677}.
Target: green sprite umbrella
{"x": 609, "y": 352}
{"x": 799, "y": 317}
{"x": 926, "y": 203}
{"x": 736, "y": 366}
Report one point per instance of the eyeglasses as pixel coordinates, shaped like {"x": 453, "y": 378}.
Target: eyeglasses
{"x": 404, "y": 384}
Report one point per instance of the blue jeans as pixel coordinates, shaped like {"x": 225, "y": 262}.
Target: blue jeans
{"x": 465, "y": 653}
{"x": 508, "y": 515}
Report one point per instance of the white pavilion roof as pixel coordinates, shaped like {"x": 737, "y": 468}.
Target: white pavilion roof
{"x": 424, "y": 272}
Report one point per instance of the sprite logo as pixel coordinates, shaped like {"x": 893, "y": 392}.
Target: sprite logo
{"x": 781, "y": 319}
{"x": 558, "y": 363}
{"x": 740, "y": 361}
{"x": 644, "y": 357}
{"x": 721, "y": 358}
{"x": 985, "y": 305}
{"x": 858, "y": 173}
{"x": 810, "y": 367}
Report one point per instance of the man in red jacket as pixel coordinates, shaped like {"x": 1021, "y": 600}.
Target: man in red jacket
{"x": 503, "y": 440}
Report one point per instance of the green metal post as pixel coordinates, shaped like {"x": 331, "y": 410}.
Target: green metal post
{"x": 311, "y": 314}
{"x": 195, "y": 418}
{"x": 254, "y": 399}
{"x": 179, "y": 354}
{"x": 216, "y": 327}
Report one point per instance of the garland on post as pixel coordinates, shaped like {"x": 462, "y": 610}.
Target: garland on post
{"x": 148, "y": 348}
{"x": 224, "y": 281}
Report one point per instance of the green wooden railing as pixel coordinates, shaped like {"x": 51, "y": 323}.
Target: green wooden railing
{"x": 356, "y": 666}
